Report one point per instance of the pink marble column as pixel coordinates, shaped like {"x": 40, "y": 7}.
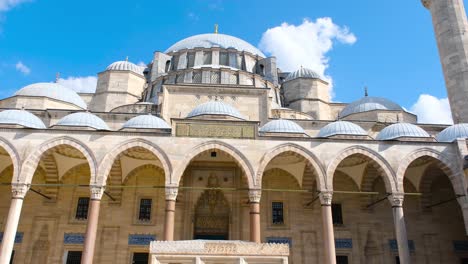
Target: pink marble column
{"x": 91, "y": 228}
{"x": 254, "y": 199}
{"x": 171, "y": 196}
{"x": 18, "y": 193}
{"x": 328, "y": 232}
{"x": 400, "y": 227}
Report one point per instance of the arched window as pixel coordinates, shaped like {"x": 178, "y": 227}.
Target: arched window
{"x": 261, "y": 69}
{"x": 168, "y": 64}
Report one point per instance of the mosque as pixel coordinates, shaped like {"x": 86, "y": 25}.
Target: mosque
{"x": 211, "y": 154}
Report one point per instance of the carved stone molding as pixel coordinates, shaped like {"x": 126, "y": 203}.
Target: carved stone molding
{"x": 171, "y": 193}
{"x": 396, "y": 199}
{"x": 19, "y": 190}
{"x": 326, "y": 197}
{"x": 96, "y": 192}
{"x": 255, "y": 196}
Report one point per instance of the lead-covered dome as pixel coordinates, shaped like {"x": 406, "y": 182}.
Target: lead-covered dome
{"x": 303, "y": 73}
{"x": 341, "y": 128}
{"x": 125, "y": 66}
{"x": 146, "y": 122}
{"x": 214, "y": 40}
{"x": 21, "y": 118}
{"x": 369, "y": 103}
{"x": 53, "y": 91}
{"x": 453, "y": 132}
{"x": 400, "y": 130}
{"x": 83, "y": 120}
{"x": 281, "y": 126}
{"x": 215, "y": 108}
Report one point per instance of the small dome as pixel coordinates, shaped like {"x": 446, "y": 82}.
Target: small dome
{"x": 369, "y": 103}
{"x": 83, "y": 119}
{"x": 303, "y": 73}
{"x": 21, "y": 118}
{"x": 341, "y": 128}
{"x": 146, "y": 122}
{"x": 282, "y": 126}
{"x": 453, "y": 132}
{"x": 125, "y": 66}
{"x": 215, "y": 108}
{"x": 214, "y": 40}
{"x": 399, "y": 130}
{"x": 54, "y": 91}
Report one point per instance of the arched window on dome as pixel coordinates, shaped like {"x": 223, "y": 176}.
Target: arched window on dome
{"x": 175, "y": 62}
{"x": 223, "y": 59}
{"x": 261, "y": 69}
{"x": 207, "y": 57}
{"x": 190, "y": 59}
{"x": 168, "y": 64}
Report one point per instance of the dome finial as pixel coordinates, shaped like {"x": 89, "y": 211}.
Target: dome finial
{"x": 57, "y": 77}
{"x": 126, "y": 58}
{"x": 216, "y": 28}
{"x": 366, "y": 91}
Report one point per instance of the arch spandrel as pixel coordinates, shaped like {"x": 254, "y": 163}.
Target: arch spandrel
{"x": 32, "y": 161}
{"x": 237, "y": 155}
{"x": 108, "y": 160}
{"x": 383, "y": 166}
{"x": 299, "y": 150}
{"x": 14, "y": 156}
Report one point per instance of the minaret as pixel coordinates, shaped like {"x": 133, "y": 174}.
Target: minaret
{"x": 451, "y": 31}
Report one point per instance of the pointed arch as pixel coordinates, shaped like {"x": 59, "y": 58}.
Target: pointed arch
{"x": 14, "y": 156}
{"x": 31, "y": 163}
{"x": 299, "y": 150}
{"x": 108, "y": 160}
{"x": 449, "y": 167}
{"x": 383, "y": 166}
{"x": 238, "y": 157}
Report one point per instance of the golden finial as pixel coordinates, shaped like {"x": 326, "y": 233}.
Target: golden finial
{"x": 216, "y": 29}
{"x": 365, "y": 91}
{"x": 57, "y": 77}
{"x": 126, "y": 59}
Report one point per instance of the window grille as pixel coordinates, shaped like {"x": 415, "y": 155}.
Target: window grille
{"x": 197, "y": 77}
{"x": 215, "y": 77}
{"x": 145, "y": 210}
{"x": 82, "y": 208}
{"x": 233, "y": 79}
{"x": 180, "y": 77}
{"x": 74, "y": 257}
{"x": 277, "y": 213}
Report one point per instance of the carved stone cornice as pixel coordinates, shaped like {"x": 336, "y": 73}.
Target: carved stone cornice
{"x": 171, "y": 193}
{"x": 96, "y": 192}
{"x": 326, "y": 197}
{"x": 396, "y": 199}
{"x": 426, "y": 3}
{"x": 255, "y": 196}
{"x": 19, "y": 190}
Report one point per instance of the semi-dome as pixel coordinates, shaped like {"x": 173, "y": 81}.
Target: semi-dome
{"x": 53, "y": 91}
{"x": 341, "y": 128}
{"x": 21, "y": 118}
{"x": 281, "y": 126}
{"x": 214, "y": 40}
{"x": 453, "y": 132}
{"x": 215, "y": 108}
{"x": 399, "y": 130}
{"x": 125, "y": 66}
{"x": 369, "y": 103}
{"x": 83, "y": 120}
{"x": 303, "y": 73}
{"x": 146, "y": 122}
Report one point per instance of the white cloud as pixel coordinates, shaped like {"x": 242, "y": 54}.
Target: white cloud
{"x": 193, "y": 16}
{"x": 142, "y": 64}
{"x": 432, "y": 110}
{"x": 22, "y": 68}
{"x": 6, "y": 5}
{"x": 80, "y": 84}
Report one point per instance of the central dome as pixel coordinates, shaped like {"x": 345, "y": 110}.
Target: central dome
{"x": 215, "y": 40}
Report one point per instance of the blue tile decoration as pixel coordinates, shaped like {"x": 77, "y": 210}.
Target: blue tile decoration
{"x": 135, "y": 239}
{"x": 280, "y": 240}
{"x": 73, "y": 239}
{"x": 394, "y": 246}
{"x": 343, "y": 243}
{"x": 460, "y": 245}
{"x": 18, "y": 237}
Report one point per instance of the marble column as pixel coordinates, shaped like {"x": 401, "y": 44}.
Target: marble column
{"x": 18, "y": 193}
{"x": 91, "y": 228}
{"x": 328, "y": 232}
{"x": 171, "y": 196}
{"x": 254, "y": 199}
{"x": 396, "y": 200}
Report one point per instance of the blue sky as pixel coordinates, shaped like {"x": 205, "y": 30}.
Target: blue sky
{"x": 395, "y": 54}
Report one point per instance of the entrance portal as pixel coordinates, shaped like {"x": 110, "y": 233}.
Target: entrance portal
{"x": 212, "y": 213}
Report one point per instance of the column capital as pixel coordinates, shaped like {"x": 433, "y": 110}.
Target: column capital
{"x": 255, "y": 195}
{"x": 396, "y": 199}
{"x": 426, "y": 3}
{"x": 96, "y": 192}
{"x": 171, "y": 193}
{"x": 19, "y": 190}
{"x": 326, "y": 197}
